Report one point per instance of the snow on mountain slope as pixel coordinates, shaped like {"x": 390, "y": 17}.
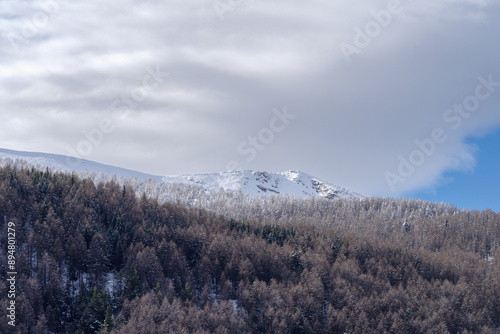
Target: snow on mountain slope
{"x": 294, "y": 183}
{"x": 67, "y": 164}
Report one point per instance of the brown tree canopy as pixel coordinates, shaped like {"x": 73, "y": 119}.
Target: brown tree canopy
{"x": 95, "y": 258}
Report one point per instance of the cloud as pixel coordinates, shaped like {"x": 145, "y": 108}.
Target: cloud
{"x": 66, "y": 66}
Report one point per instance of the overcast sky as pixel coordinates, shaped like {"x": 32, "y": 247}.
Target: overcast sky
{"x": 338, "y": 89}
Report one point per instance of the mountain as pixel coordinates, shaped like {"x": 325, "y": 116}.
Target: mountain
{"x": 67, "y": 164}
{"x": 294, "y": 183}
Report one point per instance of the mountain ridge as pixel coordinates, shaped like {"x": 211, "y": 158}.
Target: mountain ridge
{"x": 66, "y": 163}
{"x": 292, "y": 182}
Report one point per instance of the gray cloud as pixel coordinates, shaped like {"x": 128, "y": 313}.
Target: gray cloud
{"x": 353, "y": 120}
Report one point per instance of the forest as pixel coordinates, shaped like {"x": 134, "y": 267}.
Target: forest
{"x": 115, "y": 256}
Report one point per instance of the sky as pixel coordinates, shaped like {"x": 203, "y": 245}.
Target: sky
{"x": 387, "y": 98}
{"x": 476, "y": 189}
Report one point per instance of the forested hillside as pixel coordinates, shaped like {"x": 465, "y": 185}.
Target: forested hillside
{"x": 97, "y": 258}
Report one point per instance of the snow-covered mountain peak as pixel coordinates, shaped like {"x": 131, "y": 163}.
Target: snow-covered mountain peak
{"x": 292, "y": 182}
{"x": 295, "y": 183}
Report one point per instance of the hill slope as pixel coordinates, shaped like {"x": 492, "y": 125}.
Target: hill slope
{"x": 67, "y": 164}
{"x": 294, "y": 183}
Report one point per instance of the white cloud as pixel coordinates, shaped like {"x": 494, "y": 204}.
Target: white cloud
{"x": 353, "y": 119}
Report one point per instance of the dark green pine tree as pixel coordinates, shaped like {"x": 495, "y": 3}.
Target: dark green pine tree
{"x": 108, "y": 324}
{"x": 116, "y": 252}
{"x": 187, "y": 294}
{"x": 133, "y": 285}
{"x": 95, "y": 313}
